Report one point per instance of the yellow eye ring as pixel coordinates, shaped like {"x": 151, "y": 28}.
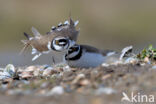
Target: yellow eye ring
{"x": 56, "y": 42}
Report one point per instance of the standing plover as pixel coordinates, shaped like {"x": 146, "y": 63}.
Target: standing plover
{"x": 58, "y": 40}
{"x": 84, "y": 56}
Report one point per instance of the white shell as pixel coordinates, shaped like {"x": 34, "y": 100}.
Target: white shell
{"x": 57, "y": 90}
{"x": 8, "y": 72}
{"x": 10, "y": 69}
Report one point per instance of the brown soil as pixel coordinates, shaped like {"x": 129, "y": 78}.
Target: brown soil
{"x": 81, "y": 86}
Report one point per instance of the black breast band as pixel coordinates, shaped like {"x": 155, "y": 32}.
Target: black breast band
{"x": 75, "y": 57}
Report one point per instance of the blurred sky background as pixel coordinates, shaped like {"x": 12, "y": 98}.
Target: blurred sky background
{"x": 105, "y": 24}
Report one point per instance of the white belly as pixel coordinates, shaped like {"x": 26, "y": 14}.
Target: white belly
{"x": 88, "y": 60}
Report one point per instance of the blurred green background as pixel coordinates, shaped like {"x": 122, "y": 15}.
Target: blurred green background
{"x": 106, "y": 24}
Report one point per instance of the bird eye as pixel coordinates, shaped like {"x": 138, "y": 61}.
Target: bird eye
{"x": 63, "y": 42}
{"x": 74, "y": 49}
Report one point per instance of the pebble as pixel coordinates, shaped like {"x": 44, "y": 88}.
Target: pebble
{"x": 147, "y": 60}
{"x": 26, "y": 74}
{"x": 30, "y": 68}
{"x": 67, "y": 68}
{"x": 44, "y": 85}
{"x": 4, "y": 75}
{"x": 57, "y": 90}
{"x": 9, "y": 70}
{"x": 78, "y": 77}
{"x": 130, "y": 60}
{"x": 85, "y": 82}
{"x": 154, "y": 67}
{"x": 104, "y": 77}
{"x": 36, "y": 73}
{"x": 47, "y": 72}
{"x": 105, "y": 90}
{"x": 105, "y": 65}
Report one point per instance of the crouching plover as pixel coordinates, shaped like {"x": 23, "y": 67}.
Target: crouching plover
{"x": 84, "y": 56}
{"x": 57, "y": 41}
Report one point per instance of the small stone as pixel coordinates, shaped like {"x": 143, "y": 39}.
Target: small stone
{"x": 106, "y": 76}
{"x": 42, "y": 92}
{"x": 66, "y": 68}
{"x": 67, "y": 88}
{"x": 57, "y": 90}
{"x": 26, "y": 74}
{"x": 47, "y": 72}
{"x": 80, "y": 90}
{"x": 85, "y": 82}
{"x": 106, "y": 90}
{"x": 154, "y": 67}
{"x": 105, "y": 65}
{"x": 25, "y": 82}
{"x": 10, "y": 69}
{"x": 44, "y": 85}
{"x": 142, "y": 64}
{"x": 4, "y": 75}
{"x": 146, "y": 60}
{"x": 78, "y": 77}
{"x": 36, "y": 73}
{"x": 30, "y": 68}
{"x": 130, "y": 60}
